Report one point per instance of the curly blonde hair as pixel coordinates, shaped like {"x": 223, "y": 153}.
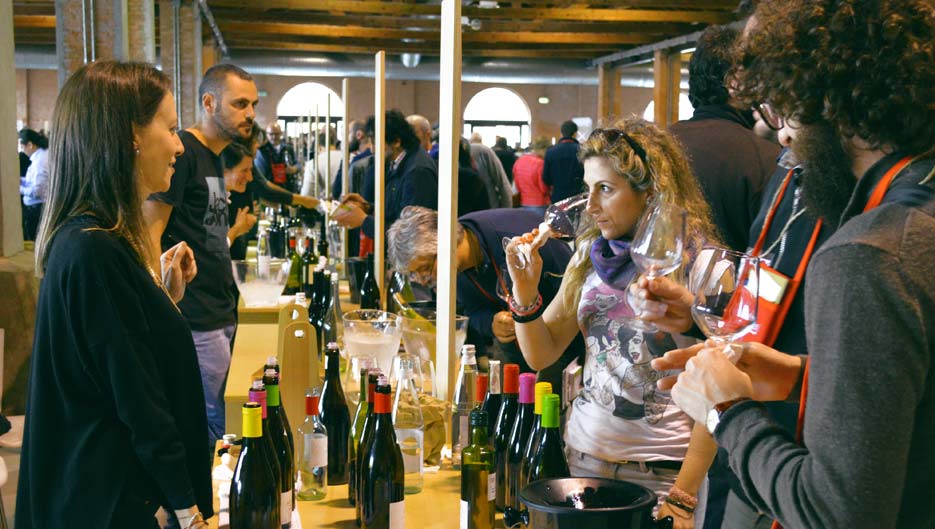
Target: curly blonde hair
{"x": 665, "y": 175}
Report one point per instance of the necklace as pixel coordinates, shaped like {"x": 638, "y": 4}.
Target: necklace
{"x": 155, "y": 277}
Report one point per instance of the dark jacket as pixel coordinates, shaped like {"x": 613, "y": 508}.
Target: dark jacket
{"x": 413, "y": 183}
{"x": 562, "y": 170}
{"x": 115, "y": 414}
{"x": 732, "y": 165}
{"x": 870, "y": 422}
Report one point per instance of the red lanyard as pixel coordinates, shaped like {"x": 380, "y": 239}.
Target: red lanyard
{"x": 876, "y": 198}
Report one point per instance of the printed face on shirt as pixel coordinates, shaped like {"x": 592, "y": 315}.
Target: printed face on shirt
{"x": 159, "y": 146}
{"x": 612, "y": 202}
{"x": 236, "y": 178}
{"x": 234, "y": 109}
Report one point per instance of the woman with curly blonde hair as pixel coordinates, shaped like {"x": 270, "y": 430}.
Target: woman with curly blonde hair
{"x": 620, "y": 426}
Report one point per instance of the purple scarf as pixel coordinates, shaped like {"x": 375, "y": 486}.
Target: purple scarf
{"x": 611, "y": 260}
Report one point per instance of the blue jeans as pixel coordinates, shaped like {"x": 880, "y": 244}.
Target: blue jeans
{"x": 214, "y": 360}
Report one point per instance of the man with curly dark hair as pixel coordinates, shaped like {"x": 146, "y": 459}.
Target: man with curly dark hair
{"x": 854, "y": 81}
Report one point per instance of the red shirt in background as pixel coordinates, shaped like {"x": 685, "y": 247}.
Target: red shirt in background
{"x": 527, "y": 175}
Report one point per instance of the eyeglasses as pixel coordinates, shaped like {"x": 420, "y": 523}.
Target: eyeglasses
{"x": 772, "y": 119}
{"x": 612, "y": 136}
{"x": 423, "y": 272}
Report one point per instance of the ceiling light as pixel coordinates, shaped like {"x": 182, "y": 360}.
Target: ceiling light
{"x": 544, "y": 100}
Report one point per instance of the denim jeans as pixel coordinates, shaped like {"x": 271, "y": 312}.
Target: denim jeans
{"x": 739, "y": 515}
{"x": 214, "y": 360}
{"x": 656, "y": 480}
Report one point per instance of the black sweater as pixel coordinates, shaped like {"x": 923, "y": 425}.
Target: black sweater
{"x": 115, "y": 417}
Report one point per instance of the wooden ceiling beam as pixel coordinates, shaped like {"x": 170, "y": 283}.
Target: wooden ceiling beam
{"x": 483, "y": 52}
{"x": 34, "y": 21}
{"x": 321, "y": 30}
{"x": 510, "y": 13}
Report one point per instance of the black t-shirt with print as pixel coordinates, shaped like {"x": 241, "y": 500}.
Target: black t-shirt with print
{"x": 199, "y": 217}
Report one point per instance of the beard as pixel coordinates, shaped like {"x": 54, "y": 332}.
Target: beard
{"x": 827, "y": 178}
{"x": 228, "y": 130}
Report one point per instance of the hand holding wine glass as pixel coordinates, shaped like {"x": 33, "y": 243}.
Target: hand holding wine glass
{"x": 522, "y": 279}
{"x": 726, "y": 294}
{"x": 657, "y": 249}
{"x": 561, "y": 222}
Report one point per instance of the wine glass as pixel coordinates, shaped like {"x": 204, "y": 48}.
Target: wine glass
{"x": 658, "y": 246}
{"x": 726, "y": 294}
{"x": 561, "y": 220}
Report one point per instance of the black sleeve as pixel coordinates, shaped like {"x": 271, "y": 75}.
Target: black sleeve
{"x": 109, "y": 310}
{"x": 263, "y": 190}
{"x": 421, "y": 188}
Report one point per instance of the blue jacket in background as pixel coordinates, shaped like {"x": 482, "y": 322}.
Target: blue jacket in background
{"x": 413, "y": 183}
{"x": 562, "y": 170}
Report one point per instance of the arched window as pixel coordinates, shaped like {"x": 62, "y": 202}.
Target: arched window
{"x": 300, "y": 102}
{"x": 496, "y": 112}
{"x": 685, "y": 109}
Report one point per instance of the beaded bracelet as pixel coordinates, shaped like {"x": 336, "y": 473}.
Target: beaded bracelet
{"x": 681, "y": 499}
{"x": 527, "y": 310}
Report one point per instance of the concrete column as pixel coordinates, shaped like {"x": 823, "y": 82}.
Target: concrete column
{"x": 89, "y": 30}
{"x": 11, "y": 229}
{"x": 608, "y": 94}
{"x": 141, "y": 15}
{"x": 186, "y": 75}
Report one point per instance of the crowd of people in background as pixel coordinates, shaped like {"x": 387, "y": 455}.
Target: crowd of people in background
{"x": 135, "y": 350}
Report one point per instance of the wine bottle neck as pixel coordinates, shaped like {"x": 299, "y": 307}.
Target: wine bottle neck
{"x": 479, "y": 435}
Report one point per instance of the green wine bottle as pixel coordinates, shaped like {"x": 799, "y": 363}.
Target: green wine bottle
{"x": 294, "y": 280}
{"x": 282, "y": 444}
{"x": 478, "y": 477}
{"x": 549, "y": 461}
{"x": 353, "y": 441}
{"x": 366, "y": 435}
{"x": 336, "y": 418}
{"x": 542, "y": 389}
{"x": 254, "y": 492}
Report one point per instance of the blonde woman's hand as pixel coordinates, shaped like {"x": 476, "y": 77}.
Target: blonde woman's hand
{"x": 525, "y": 278}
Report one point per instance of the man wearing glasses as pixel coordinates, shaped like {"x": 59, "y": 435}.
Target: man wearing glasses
{"x": 412, "y": 246}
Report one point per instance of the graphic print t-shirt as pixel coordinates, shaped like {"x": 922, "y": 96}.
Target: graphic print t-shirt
{"x": 199, "y": 217}
{"x": 620, "y": 414}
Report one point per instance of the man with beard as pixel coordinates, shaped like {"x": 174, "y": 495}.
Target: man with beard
{"x": 855, "y": 83}
{"x": 277, "y": 160}
{"x": 195, "y": 210}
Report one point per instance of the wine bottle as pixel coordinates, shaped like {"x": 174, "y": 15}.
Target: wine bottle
{"x": 409, "y": 424}
{"x": 323, "y": 240}
{"x": 258, "y": 394}
{"x": 366, "y": 436}
{"x": 480, "y": 391}
{"x": 382, "y": 479}
{"x": 335, "y": 416}
{"x": 264, "y": 253}
{"x": 309, "y": 261}
{"x": 330, "y": 322}
{"x": 294, "y": 279}
{"x": 313, "y": 458}
{"x": 369, "y": 290}
{"x": 277, "y": 241}
{"x": 463, "y": 403}
{"x": 478, "y": 477}
{"x": 493, "y": 397}
{"x": 519, "y": 436}
{"x": 353, "y": 441}
{"x": 254, "y": 489}
{"x": 282, "y": 444}
{"x": 542, "y": 389}
{"x": 504, "y": 426}
{"x": 549, "y": 461}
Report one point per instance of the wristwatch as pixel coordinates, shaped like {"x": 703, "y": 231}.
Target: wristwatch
{"x": 714, "y": 414}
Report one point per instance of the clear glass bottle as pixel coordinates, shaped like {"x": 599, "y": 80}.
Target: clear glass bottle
{"x": 264, "y": 253}
{"x": 463, "y": 403}
{"x": 313, "y": 457}
{"x": 409, "y": 424}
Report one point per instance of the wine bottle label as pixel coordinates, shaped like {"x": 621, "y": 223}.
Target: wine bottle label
{"x": 492, "y": 486}
{"x": 465, "y": 512}
{"x": 398, "y": 515}
{"x": 316, "y": 449}
{"x": 285, "y": 507}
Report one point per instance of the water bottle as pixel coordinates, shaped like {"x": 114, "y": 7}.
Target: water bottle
{"x": 463, "y": 402}
{"x": 264, "y": 254}
{"x": 409, "y": 425}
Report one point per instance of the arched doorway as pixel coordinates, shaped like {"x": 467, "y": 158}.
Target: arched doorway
{"x": 685, "y": 109}
{"x": 300, "y": 102}
{"x": 496, "y": 112}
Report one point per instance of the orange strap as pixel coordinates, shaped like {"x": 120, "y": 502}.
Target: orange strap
{"x": 768, "y": 221}
{"x": 876, "y": 198}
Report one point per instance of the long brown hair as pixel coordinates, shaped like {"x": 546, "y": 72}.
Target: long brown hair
{"x": 92, "y": 162}
{"x": 662, "y": 170}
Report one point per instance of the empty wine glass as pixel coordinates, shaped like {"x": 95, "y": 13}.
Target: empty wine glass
{"x": 726, "y": 294}
{"x": 658, "y": 246}
{"x": 562, "y": 220}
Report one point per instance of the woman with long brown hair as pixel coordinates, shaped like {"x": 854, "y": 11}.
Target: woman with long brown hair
{"x": 620, "y": 425}
{"x": 115, "y": 420}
